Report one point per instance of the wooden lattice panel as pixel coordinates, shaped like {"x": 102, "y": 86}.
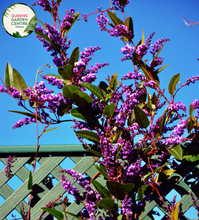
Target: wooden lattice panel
{"x": 49, "y": 165}
{"x": 83, "y": 164}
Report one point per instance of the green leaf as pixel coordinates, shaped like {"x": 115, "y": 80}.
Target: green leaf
{"x": 168, "y": 172}
{"x": 31, "y": 25}
{"x": 93, "y": 89}
{"x": 104, "y": 193}
{"x": 105, "y": 203}
{"x": 86, "y": 115}
{"x": 160, "y": 69}
{"x": 163, "y": 175}
{"x": 120, "y": 217}
{"x": 69, "y": 90}
{"x": 190, "y": 110}
{"x": 59, "y": 1}
{"x": 114, "y": 18}
{"x": 141, "y": 117}
{"x": 45, "y": 37}
{"x": 8, "y": 78}
{"x": 157, "y": 54}
{"x": 59, "y": 215}
{"x": 82, "y": 99}
{"x": 141, "y": 191}
{"x": 76, "y": 113}
{"x": 190, "y": 123}
{"x": 76, "y": 16}
{"x": 97, "y": 153}
{"x": 160, "y": 167}
{"x": 74, "y": 216}
{"x": 173, "y": 82}
{"x": 103, "y": 86}
{"x": 160, "y": 125}
{"x": 102, "y": 170}
{"x": 191, "y": 158}
{"x": 146, "y": 176}
{"x": 109, "y": 110}
{"x": 22, "y": 215}
{"x": 143, "y": 67}
{"x": 27, "y": 114}
{"x": 62, "y": 109}
{"x": 154, "y": 99}
{"x": 114, "y": 83}
{"x": 174, "y": 212}
{"x": 119, "y": 190}
{"x": 49, "y": 130}
{"x": 74, "y": 56}
{"x": 118, "y": 151}
{"x": 19, "y": 83}
{"x": 42, "y": 24}
{"x": 54, "y": 75}
{"x": 89, "y": 135}
{"x": 143, "y": 37}
{"x": 30, "y": 181}
{"x": 66, "y": 72}
{"x": 129, "y": 22}
{"x": 176, "y": 151}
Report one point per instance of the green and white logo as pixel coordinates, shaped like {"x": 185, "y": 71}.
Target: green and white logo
{"x": 19, "y": 20}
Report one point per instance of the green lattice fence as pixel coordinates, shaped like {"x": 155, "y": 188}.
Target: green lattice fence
{"x": 50, "y": 158}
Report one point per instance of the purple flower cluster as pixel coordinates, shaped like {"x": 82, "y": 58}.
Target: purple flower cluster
{"x": 67, "y": 20}
{"x": 42, "y": 95}
{"x": 134, "y": 169}
{"x": 76, "y": 176}
{"x": 58, "y": 47}
{"x": 83, "y": 74}
{"x": 158, "y": 43}
{"x": 156, "y": 62}
{"x": 173, "y": 203}
{"x": 127, "y": 207}
{"x": 15, "y": 93}
{"x": 195, "y": 104}
{"x": 176, "y": 136}
{"x": 9, "y": 162}
{"x": 135, "y": 75}
{"x": 117, "y": 6}
{"x": 127, "y": 50}
{"x": 191, "y": 80}
{"x": 148, "y": 41}
{"x": 54, "y": 81}
{"x": 102, "y": 21}
{"x": 119, "y": 31}
{"x": 91, "y": 197}
{"x": 195, "y": 202}
{"x": 45, "y": 4}
{"x": 70, "y": 188}
{"x": 132, "y": 99}
{"x": 23, "y": 121}
{"x": 141, "y": 50}
{"x": 177, "y": 106}
{"x": 150, "y": 84}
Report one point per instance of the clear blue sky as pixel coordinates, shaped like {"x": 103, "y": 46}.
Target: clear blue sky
{"x": 162, "y": 17}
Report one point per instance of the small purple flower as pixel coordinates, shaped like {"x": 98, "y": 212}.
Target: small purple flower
{"x": 158, "y": 43}
{"x": 54, "y": 81}
{"x": 141, "y": 50}
{"x": 102, "y": 21}
{"x": 9, "y": 161}
{"x": 127, "y": 207}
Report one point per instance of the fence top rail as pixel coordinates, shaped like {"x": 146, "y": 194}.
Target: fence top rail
{"x": 44, "y": 150}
